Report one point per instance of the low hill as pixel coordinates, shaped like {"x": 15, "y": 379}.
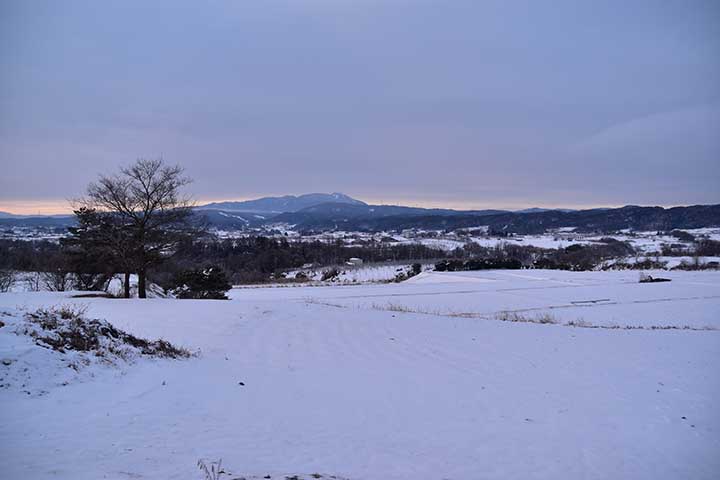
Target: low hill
{"x": 375, "y": 218}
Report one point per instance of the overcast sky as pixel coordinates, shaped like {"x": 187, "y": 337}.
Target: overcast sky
{"x": 464, "y": 103}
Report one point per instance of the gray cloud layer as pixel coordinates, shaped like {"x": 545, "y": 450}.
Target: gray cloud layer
{"x": 474, "y": 102}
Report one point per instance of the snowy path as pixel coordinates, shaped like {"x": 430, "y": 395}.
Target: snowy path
{"x": 370, "y": 394}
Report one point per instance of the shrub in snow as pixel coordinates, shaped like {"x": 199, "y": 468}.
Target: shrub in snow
{"x": 7, "y": 279}
{"x": 543, "y": 318}
{"x": 92, "y": 282}
{"x": 206, "y": 283}
{"x": 66, "y": 329}
{"x": 330, "y": 275}
{"x": 58, "y": 280}
{"x": 212, "y": 471}
{"x": 60, "y": 345}
{"x": 33, "y": 282}
{"x": 414, "y": 270}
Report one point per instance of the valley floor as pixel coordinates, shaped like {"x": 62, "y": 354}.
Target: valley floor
{"x": 468, "y": 375}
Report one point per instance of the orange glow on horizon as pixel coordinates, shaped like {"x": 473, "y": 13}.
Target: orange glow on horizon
{"x": 36, "y": 207}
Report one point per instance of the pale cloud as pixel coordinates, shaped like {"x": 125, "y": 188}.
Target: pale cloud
{"x": 446, "y": 102}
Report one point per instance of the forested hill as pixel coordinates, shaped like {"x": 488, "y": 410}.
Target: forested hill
{"x": 603, "y": 220}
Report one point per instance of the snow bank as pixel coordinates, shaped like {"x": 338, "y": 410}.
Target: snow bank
{"x": 55, "y": 346}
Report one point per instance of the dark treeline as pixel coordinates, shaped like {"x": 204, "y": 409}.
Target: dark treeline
{"x": 30, "y": 256}
{"x": 245, "y": 260}
{"x": 260, "y": 259}
{"x": 575, "y": 257}
{"x": 256, "y": 259}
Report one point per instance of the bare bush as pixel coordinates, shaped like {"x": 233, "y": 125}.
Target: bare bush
{"x": 542, "y": 318}
{"x": 580, "y": 323}
{"x": 96, "y": 282}
{"x": 330, "y": 274}
{"x": 393, "y": 307}
{"x": 211, "y": 470}
{"x": 58, "y": 280}
{"x": 7, "y": 280}
{"x": 33, "y": 281}
{"x": 66, "y": 328}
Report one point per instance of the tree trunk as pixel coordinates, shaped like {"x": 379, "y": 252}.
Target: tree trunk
{"x": 141, "y": 284}
{"x": 126, "y": 285}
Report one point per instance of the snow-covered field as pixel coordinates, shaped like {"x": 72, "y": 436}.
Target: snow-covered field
{"x": 445, "y": 376}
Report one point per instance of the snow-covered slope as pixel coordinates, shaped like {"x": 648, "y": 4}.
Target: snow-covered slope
{"x": 349, "y": 381}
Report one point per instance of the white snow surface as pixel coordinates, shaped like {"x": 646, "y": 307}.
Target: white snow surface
{"x": 339, "y": 381}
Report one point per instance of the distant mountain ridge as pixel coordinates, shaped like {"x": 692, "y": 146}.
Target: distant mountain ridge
{"x": 594, "y": 220}
{"x": 329, "y": 201}
{"x": 284, "y": 204}
{"x": 337, "y": 211}
{"x": 340, "y": 212}
{"x": 349, "y": 214}
{"x": 16, "y": 215}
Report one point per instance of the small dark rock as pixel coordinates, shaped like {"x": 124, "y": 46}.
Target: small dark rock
{"x": 241, "y": 384}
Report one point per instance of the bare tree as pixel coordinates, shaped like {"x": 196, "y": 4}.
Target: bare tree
{"x": 33, "y": 281}
{"x": 57, "y": 280}
{"x": 149, "y": 214}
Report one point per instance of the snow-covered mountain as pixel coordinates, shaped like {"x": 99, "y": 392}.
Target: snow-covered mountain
{"x": 287, "y": 203}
